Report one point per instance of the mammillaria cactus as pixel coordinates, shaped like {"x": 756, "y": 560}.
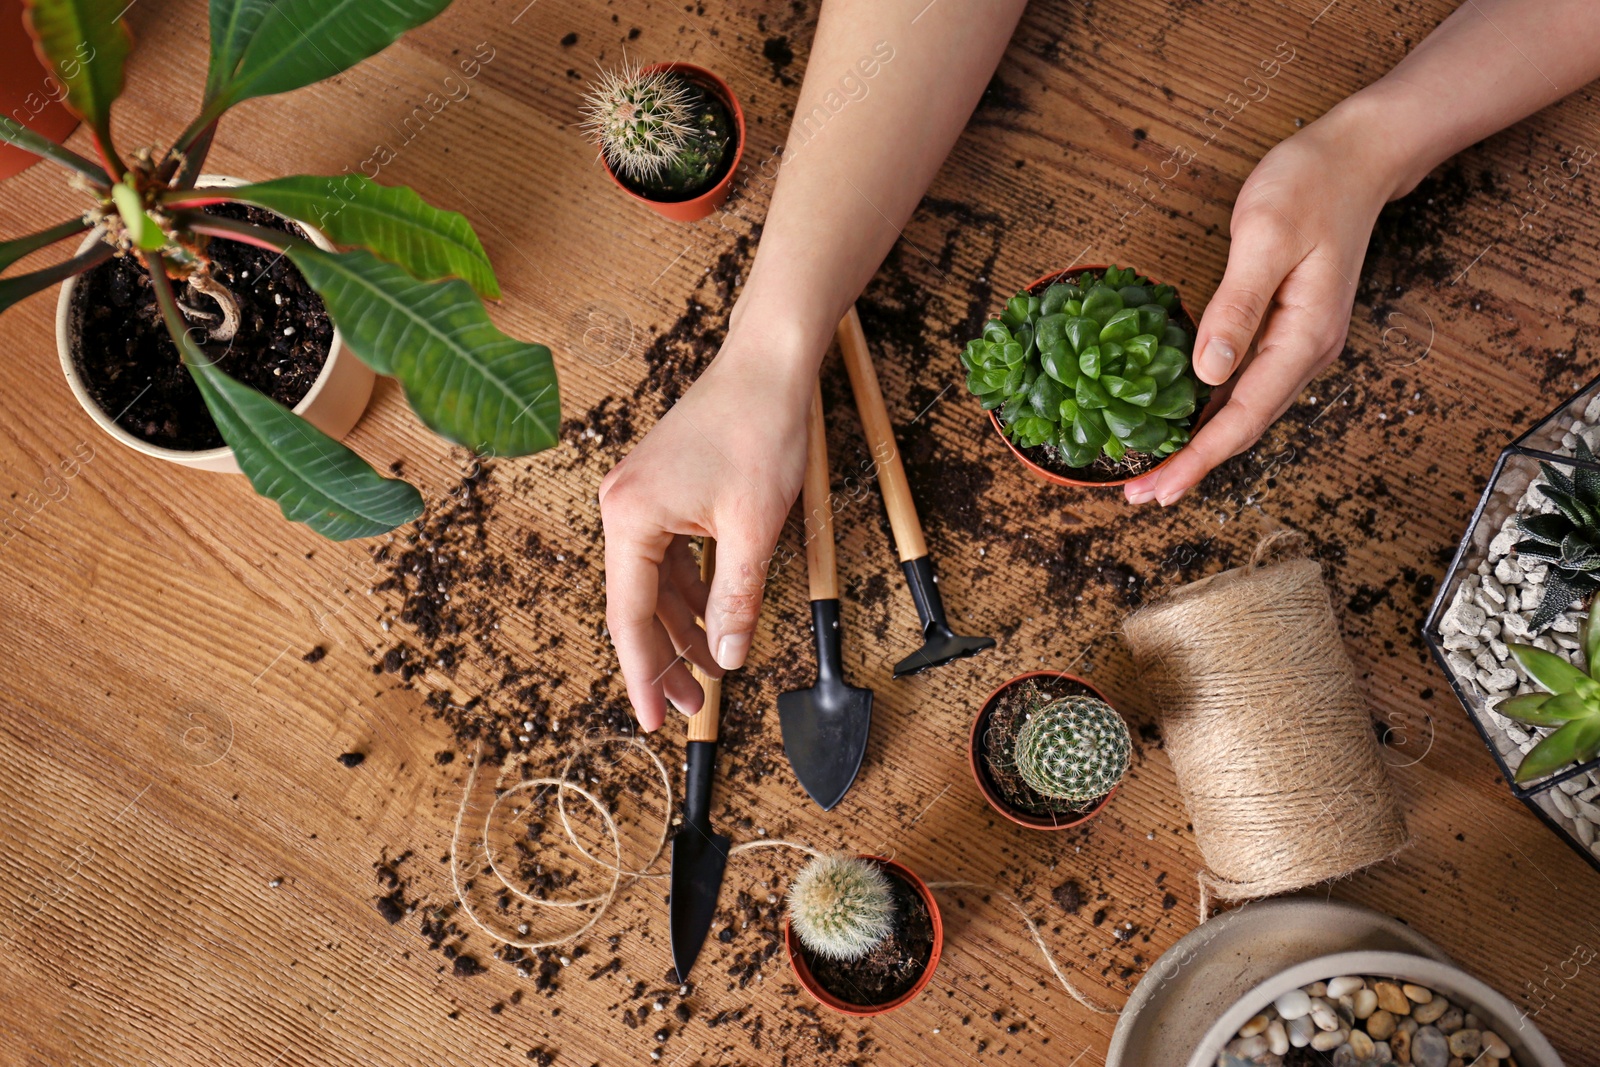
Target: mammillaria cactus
{"x": 1095, "y": 367}
{"x": 1568, "y": 539}
{"x": 658, "y": 129}
{"x": 1075, "y": 748}
{"x": 841, "y": 907}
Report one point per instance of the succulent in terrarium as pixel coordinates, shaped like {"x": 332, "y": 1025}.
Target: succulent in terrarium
{"x": 658, "y": 129}
{"x": 1073, "y": 748}
{"x": 1567, "y": 539}
{"x": 1571, "y": 704}
{"x": 841, "y": 906}
{"x": 1095, "y": 367}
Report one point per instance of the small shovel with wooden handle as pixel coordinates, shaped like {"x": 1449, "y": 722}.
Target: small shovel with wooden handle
{"x": 940, "y": 644}
{"x": 699, "y": 854}
{"x": 825, "y": 727}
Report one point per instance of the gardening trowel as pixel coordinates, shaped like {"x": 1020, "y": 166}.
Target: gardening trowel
{"x": 940, "y": 644}
{"x": 824, "y": 727}
{"x": 699, "y": 855}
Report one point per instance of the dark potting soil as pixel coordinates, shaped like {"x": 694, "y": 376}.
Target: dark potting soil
{"x": 894, "y": 966}
{"x": 1103, "y": 469}
{"x": 131, "y": 367}
{"x": 708, "y": 153}
{"x": 999, "y": 739}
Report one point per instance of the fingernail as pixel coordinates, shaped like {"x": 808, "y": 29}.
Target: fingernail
{"x": 1215, "y": 362}
{"x": 1170, "y": 497}
{"x": 731, "y": 651}
{"x": 1140, "y": 496}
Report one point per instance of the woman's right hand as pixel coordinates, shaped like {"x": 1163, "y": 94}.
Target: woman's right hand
{"x": 726, "y": 461}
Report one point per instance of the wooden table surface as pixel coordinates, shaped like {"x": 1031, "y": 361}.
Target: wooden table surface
{"x": 191, "y": 875}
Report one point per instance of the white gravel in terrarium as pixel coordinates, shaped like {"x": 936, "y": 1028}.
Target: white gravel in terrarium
{"x": 1496, "y": 605}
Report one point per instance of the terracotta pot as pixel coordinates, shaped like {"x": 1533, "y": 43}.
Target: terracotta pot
{"x": 29, "y": 92}
{"x": 333, "y": 405}
{"x": 980, "y": 769}
{"x": 797, "y": 960}
{"x": 1036, "y": 287}
{"x": 698, "y": 207}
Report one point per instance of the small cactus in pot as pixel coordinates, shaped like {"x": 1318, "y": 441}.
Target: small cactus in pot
{"x": 1048, "y": 751}
{"x": 668, "y": 133}
{"x": 841, "y": 907}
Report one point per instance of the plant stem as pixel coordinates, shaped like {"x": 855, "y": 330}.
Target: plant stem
{"x": 244, "y": 232}
{"x": 194, "y": 157}
{"x": 14, "y": 133}
{"x": 11, "y": 251}
{"x": 25, "y": 285}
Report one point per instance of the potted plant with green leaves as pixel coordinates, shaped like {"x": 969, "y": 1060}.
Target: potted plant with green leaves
{"x": 670, "y": 135}
{"x": 406, "y": 294}
{"x": 1048, "y": 751}
{"x": 1086, "y": 375}
{"x": 863, "y": 933}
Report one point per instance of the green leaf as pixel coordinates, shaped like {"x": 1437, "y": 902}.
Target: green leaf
{"x": 1576, "y": 742}
{"x": 1175, "y": 336}
{"x": 313, "y": 478}
{"x": 1166, "y": 365}
{"x": 1545, "y": 709}
{"x": 1140, "y": 350}
{"x": 1052, "y": 330}
{"x": 1152, "y": 319}
{"x": 1090, "y": 393}
{"x": 300, "y": 42}
{"x": 1123, "y": 419}
{"x": 1135, "y": 295}
{"x": 1046, "y": 395}
{"x": 1546, "y": 668}
{"x": 1089, "y": 361}
{"x": 1060, "y": 364}
{"x": 15, "y": 133}
{"x": 1589, "y": 638}
{"x": 233, "y": 24}
{"x": 1077, "y": 455}
{"x": 1560, "y": 590}
{"x": 1149, "y": 435}
{"x": 23, "y": 286}
{"x": 995, "y": 332}
{"x": 1122, "y": 326}
{"x": 1550, "y": 529}
{"x": 392, "y": 222}
{"x": 1100, "y": 303}
{"x": 86, "y": 45}
{"x": 1089, "y": 429}
{"x": 11, "y": 251}
{"x": 1174, "y": 401}
{"x": 1138, "y": 390}
{"x": 1113, "y": 449}
{"x": 142, "y": 229}
{"x": 465, "y": 379}
{"x": 1083, "y": 333}
{"x": 1055, "y": 298}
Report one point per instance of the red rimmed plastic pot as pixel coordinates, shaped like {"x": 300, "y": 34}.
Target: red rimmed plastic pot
{"x": 699, "y": 206}
{"x": 980, "y": 767}
{"x": 1036, "y": 287}
{"x": 798, "y": 957}
{"x": 29, "y": 92}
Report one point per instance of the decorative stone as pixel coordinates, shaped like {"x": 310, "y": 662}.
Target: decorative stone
{"x": 1277, "y": 1037}
{"x": 1392, "y": 999}
{"x": 1345, "y": 986}
{"x": 1294, "y": 1004}
{"x": 1380, "y": 1024}
{"x": 1362, "y": 1045}
{"x": 1300, "y": 1030}
{"x": 1450, "y": 1021}
{"x": 1429, "y": 1048}
{"x": 1563, "y": 803}
{"x": 1316, "y": 989}
{"x": 1248, "y": 1047}
{"x": 1417, "y": 994}
{"x": 1382, "y": 1053}
{"x": 1400, "y": 1043}
{"x": 1495, "y": 1045}
{"x": 1364, "y": 1003}
{"x": 1466, "y": 1043}
{"x": 1430, "y": 1012}
{"x": 1328, "y": 1040}
{"x": 1254, "y": 1026}
{"x": 1323, "y": 1015}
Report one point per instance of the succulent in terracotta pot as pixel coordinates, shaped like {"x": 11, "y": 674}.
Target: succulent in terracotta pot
{"x": 406, "y": 294}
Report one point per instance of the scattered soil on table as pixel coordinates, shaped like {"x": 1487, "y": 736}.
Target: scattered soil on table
{"x": 891, "y": 968}
{"x": 131, "y": 367}
{"x": 998, "y": 740}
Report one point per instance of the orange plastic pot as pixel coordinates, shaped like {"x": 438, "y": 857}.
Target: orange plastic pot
{"x": 803, "y": 972}
{"x": 1036, "y": 287}
{"x": 980, "y": 772}
{"x": 29, "y": 92}
{"x": 700, "y": 206}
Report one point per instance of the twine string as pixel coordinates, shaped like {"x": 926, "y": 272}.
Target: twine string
{"x": 600, "y": 903}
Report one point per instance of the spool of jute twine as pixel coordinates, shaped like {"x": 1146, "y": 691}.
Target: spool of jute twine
{"x": 1266, "y": 727}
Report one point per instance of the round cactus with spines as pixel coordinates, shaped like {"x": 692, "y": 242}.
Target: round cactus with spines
{"x": 1074, "y": 748}
{"x": 841, "y": 907}
{"x": 659, "y": 130}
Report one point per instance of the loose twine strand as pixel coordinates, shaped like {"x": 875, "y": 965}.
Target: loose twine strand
{"x": 601, "y": 902}
{"x": 1266, "y": 726}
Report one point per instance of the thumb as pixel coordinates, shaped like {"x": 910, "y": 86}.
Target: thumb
{"x": 734, "y": 603}
{"x": 1257, "y": 264}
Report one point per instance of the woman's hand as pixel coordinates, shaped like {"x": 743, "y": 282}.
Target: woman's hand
{"x": 725, "y": 462}
{"x": 1279, "y": 318}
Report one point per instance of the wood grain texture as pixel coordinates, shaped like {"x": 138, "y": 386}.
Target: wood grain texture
{"x": 189, "y": 874}
{"x": 822, "y": 560}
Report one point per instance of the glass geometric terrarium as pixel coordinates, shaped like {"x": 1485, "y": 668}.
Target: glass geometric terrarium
{"x": 1489, "y": 596}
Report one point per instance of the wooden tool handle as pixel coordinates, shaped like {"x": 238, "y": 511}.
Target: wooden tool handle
{"x": 880, "y": 438}
{"x": 822, "y": 566}
{"x": 703, "y": 723}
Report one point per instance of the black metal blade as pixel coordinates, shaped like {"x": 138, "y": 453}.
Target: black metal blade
{"x": 940, "y": 644}
{"x": 825, "y": 728}
{"x": 699, "y": 858}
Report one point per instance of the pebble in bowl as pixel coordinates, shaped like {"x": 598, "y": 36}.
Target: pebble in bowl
{"x": 1367, "y": 1009}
